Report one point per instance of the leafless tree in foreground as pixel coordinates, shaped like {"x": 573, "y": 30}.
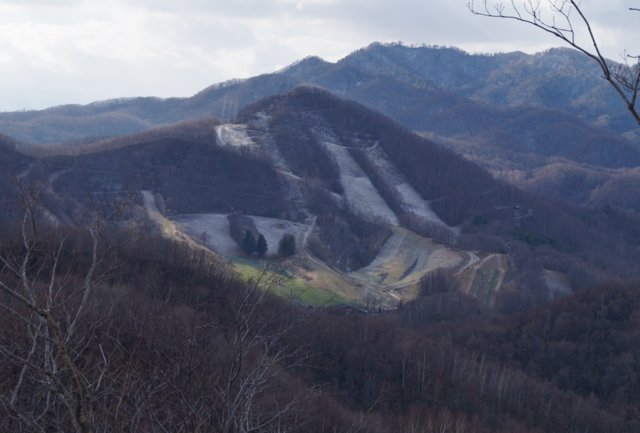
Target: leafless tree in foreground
{"x": 46, "y": 326}
{"x": 72, "y": 361}
{"x": 257, "y": 358}
{"x": 231, "y": 373}
{"x": 49, "y": 387}
{"x": 565, "y": 19}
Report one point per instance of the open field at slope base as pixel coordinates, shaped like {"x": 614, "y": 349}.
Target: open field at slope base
{"x": 392, "y": 276}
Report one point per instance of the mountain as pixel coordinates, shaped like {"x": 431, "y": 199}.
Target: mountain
{"x": 137, "y": 298}
{"x": 153, "y": 323}
{"x": 520, "y": 116}
{"x": 559, "y": 79}
{"x": 546, "y": 123}
{"x": 374, "y": 208}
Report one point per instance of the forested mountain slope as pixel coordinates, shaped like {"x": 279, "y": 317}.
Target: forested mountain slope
{"x": 543, "y": 122}
{"x": 353, "y": 187}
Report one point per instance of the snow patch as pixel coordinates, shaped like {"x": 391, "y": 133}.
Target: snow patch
{"x": 274, "y": 229}
{"x": 212, "y": 230}
{"x": 234, "y": 135}
{"x": 149, "y": 201}
{"x": 557, "y": 283}
{"x": 360, "y": 193}
{"x": 411, "y": 200}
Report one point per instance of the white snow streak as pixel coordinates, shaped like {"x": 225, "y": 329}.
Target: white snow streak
{"x": 234, "y": 135}
{"x": 411, "y": 200}
{"x": 213, "y": 230}
{"x": 360, "y": 193}
{"x": 210, "y": 229}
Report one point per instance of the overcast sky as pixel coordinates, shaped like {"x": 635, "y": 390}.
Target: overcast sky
{"x": 76, "y": 51}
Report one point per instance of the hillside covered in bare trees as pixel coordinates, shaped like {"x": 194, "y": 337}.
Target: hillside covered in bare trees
{"x": 275, "y": 255}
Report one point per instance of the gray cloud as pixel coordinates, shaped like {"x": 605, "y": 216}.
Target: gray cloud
{"x": 40, "y": 3}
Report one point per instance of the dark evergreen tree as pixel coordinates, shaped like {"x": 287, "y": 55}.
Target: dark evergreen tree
{"x": 249, "y": 242}
{"x": 287, "y": 245}
{"x": 261, "y": 246}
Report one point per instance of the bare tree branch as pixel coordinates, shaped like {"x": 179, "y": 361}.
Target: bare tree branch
{"x": 30, "y": 287}
{"x": 624, "y": 78}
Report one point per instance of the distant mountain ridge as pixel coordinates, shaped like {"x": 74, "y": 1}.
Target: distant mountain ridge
{"x": 512, "y": 79}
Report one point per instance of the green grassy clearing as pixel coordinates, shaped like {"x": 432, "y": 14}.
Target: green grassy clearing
{"x": 289, "y": 287}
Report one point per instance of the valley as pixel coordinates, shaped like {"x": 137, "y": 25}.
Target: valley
{"x": 393, "y": 275}
{"x": 406, "y": 240}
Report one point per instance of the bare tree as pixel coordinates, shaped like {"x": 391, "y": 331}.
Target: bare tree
{"x": 257, "y": 356}
{"x": 224, "y": 367}
{"x": 566, "y": 20}
{"x": 48, "y": 386}
{"x": 72, "y": 361}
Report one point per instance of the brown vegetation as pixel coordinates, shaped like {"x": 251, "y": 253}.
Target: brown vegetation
{"x": 168, "y": 340}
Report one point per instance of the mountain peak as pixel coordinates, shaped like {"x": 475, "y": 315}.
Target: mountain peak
{"x": 305, "y": 66}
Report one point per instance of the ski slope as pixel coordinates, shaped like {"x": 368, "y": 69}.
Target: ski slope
{"x": 212, "y": 230}
{"x": 411, "y": 200}
{"x": 234, "y": 135}
{"x": 359, "y": 192}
